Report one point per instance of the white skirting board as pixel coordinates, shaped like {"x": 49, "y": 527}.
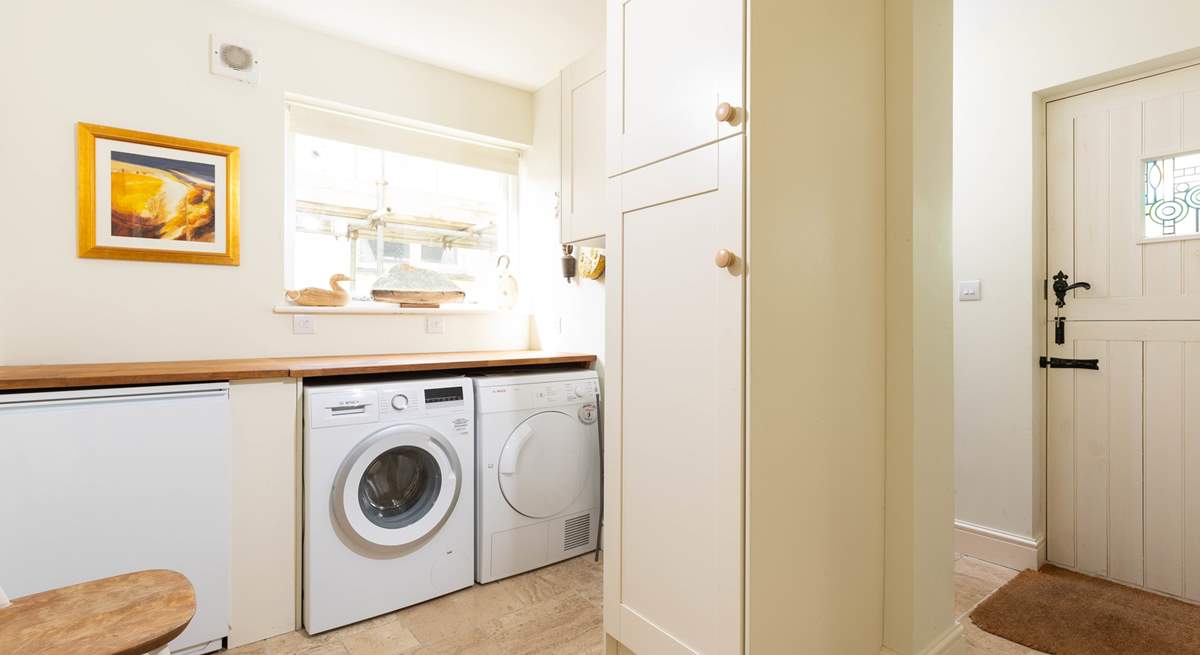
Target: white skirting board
{"x": 999, "y": 547}
{"x": 950, "y": 643}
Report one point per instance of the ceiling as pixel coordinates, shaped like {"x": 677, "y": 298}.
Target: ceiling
{"x": 521, "y": 43}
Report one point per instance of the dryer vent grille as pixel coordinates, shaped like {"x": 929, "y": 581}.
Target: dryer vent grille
{"x": 576, "y": 532}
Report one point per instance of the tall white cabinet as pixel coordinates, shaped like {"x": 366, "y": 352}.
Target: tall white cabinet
{"x": 744, "y": 414}
{"x": 674, "y": 502}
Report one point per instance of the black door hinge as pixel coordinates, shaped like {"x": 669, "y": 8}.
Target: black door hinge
{"x": 1059, "y": 362}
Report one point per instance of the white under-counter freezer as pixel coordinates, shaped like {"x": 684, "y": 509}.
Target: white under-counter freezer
{"x": 99, "y": 482}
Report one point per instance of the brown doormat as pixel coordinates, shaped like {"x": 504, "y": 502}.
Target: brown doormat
{"x": 1064, "y": 613}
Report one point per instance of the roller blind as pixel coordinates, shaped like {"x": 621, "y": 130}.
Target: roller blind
{"x": 326, "y": 124}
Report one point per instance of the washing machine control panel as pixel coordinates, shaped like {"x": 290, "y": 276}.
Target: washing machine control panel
{"x": 400, "y": 401}
{"x": 422, "y": 401}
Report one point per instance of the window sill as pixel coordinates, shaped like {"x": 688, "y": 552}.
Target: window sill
{"x": 380, "y": 308}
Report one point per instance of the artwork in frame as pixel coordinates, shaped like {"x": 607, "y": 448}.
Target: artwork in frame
{"x": 157, "y": 198}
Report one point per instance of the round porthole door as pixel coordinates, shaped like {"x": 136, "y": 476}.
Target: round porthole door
{"x": 545, "y": 463}
{"x": 397, "y": 486}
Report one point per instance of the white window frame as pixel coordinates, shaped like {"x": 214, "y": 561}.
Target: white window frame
{"x": 507, "y": 234}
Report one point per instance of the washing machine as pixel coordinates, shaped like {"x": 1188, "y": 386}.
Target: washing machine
{"x": 538, "y": 470}
{"x": 389, "y": 497}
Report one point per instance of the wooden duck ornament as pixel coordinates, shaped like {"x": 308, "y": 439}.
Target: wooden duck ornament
{"x": 335, "y": 296}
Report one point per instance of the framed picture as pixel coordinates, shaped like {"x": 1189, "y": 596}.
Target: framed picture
{"x": 156, "y": 198}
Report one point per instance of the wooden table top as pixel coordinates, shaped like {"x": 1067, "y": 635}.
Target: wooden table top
{"x": 67, "y": 376}
{"x": 129, "y": 614}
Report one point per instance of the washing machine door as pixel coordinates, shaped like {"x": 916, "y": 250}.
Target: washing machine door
{"x": 545, "y": 463}
{"x": 397, "y": 486}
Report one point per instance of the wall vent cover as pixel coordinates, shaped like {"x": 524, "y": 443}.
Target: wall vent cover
{"x": 234, "y": 58}
{"x": 576, "y": 532}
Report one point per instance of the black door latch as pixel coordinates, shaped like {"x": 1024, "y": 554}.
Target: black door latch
{"x": 1059, "y": 362}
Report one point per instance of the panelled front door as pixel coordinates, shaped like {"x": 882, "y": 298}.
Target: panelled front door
{"x": 1123, "y": 441}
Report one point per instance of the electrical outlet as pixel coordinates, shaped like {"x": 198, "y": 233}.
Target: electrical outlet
{"x": 435, "y": 324}
{"x": 303, "y": 324}
{"x": 969, "y": 290}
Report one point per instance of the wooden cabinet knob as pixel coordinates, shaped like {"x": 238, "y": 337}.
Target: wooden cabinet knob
{"x": 727, "y": 113}
{"x": 724, "y": 258}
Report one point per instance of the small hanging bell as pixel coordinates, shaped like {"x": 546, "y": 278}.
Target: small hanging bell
{"x": 568, "y": 262}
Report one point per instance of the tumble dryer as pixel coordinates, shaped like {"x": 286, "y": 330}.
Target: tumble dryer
{"x": 538, "y": 470}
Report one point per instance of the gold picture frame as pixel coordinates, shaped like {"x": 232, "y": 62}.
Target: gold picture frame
{"x": 166, "y": 199}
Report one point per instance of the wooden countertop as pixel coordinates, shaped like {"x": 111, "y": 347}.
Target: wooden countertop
{"x": 65, "y": 376}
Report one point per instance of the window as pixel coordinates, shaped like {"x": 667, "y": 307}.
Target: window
{"x": 1171, "y": 202}
{"x": 363, "y": 205}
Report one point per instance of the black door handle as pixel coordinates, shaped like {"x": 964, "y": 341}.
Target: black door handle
{"x": 1061, "y": 288}
{"x": 1059, "y": 362}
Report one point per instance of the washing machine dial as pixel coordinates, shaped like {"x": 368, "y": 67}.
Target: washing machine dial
{"x": 400, "y": 401}
{"x": 583, "y": 390}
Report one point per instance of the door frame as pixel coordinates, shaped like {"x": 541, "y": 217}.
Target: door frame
{"x": 1041, "y": 253}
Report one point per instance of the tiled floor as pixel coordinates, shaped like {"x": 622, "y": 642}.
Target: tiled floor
{"x": 975, "y": 580}
{"x": 555, "y": 610}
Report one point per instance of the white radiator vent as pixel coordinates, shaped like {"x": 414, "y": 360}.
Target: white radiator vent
{"x": 234, "y": 58}
{"x": 576, "y": 532}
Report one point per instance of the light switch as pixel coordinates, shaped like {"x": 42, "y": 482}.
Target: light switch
{"x": 969, "y": 290}
{"x": 303, "y": 324}
{"x": 435, "y": 324}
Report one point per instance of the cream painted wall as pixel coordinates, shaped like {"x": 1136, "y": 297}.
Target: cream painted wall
{"x": 1004, "y": 55}
{"x": 919, "y": 584}
{"x": 815, "y": 369}
{"x": 143, "y": 64}
{"x": 564, "y": 316}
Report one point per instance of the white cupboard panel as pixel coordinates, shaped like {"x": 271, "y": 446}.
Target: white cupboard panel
{"x": 670, "y": 63}
{"x": 582, "y": 208}
{"x": 678, "y": 557}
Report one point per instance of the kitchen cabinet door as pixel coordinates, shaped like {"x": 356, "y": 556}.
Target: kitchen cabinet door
{"x": 582, "y": 208}
{"x": 671, "y": 64}
{"x": 674, "y": 475}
